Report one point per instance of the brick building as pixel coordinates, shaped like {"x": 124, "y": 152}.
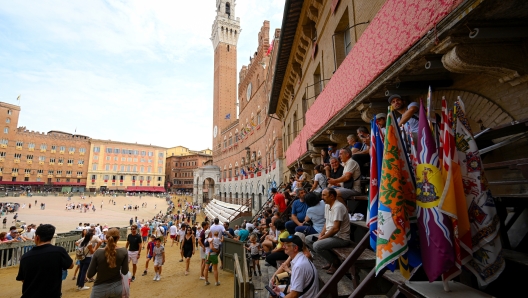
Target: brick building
{"x": 123, "y": 166}
{"x": 180, "y": 165}
{"x": 40, "y": 161}
{"x": 247, "y": 148}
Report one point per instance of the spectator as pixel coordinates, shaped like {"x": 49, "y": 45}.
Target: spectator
{"x": 109, "y": 264}
{"x": 13, "y": 235}
{"x": 41, "y": 268}
{"x": 351, "y": 173}
{"x": 217, "y": 227}
{"x": 298, "y": 212}
{"x": 278, "y": 253}
{"x": 409, "y": 113}
{"x": 201, "y": 243}
{"x": 133, "y": 245}
{"x": 381, "y": 120}
{"x": 333, "y": 152}
{"x": 86, "y": 245}
{"x": 325, "y": 157}
{"x": 334, "y": 171}
{"x": 278, "y": 200}
{"x": 270, "y": 240}
{"x": 335, "y": 233}
{"x": 301, "y": 179}
{"x": 229, "y": 232}
{"x": 243, "y": 235}
{"x": 319, "y": 179}
{"x": 304, "y": 279}
{"x": 353, "y": 143}
{"x": 314, "y": 219}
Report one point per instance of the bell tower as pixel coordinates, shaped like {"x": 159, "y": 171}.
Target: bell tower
{"x": 226, "y": 29}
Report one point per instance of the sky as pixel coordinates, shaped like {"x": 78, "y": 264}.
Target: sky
{"x": 129, "y": 70}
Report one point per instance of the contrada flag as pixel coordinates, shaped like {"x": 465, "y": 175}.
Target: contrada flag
{"x": 453, "y": 200}
{"x": 487, "y": 262}
{"x": 397, "y": 199}
{"x": 435, "y": 228}
{"x": 376, "y": 157}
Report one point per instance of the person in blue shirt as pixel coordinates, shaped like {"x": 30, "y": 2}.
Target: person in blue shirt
{"x": 299, "y": 208}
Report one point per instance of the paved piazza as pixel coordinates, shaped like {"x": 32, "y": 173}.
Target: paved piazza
{"x": 57, "y": 215}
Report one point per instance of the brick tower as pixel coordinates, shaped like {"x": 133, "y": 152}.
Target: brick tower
{"x": 224, "y": 36}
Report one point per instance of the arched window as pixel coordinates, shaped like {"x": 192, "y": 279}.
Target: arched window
{"x": 228, "y": 9}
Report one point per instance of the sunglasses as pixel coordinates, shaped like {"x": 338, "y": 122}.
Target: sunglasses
{"x": 133, "y": 228}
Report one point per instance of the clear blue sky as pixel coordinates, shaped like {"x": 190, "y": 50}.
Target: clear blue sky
{"x": 131, "y": 71}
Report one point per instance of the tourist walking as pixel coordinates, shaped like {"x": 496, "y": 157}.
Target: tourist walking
{"x": 133, "y": 246}
{"x": 159, "y": 258}
{"x": 109, "y": 264}
{"x": 41, "y": 268}
{"x": 188, "y": 248}
{"x": 85, "y": 245}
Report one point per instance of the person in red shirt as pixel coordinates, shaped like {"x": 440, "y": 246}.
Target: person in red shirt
{"x": 278, "y": 200}
{"x": 144, "y": 234}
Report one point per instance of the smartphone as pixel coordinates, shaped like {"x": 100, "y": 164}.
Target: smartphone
{"x": 315, "y": 238}
{"x": 270, "y": 290}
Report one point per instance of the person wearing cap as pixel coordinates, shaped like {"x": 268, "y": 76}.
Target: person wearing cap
{"x": 304, "y": 278}
{"x": 381, "y": 120}
{"x": 335, "y": 233}
{"x": 41, "y": 268}
{"x": 279, "y": 201}
{"x": 408, "y": 112}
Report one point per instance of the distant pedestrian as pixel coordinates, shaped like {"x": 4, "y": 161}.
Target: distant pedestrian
{"x": 4, "y": 222}
{"x": 41, "y": 268}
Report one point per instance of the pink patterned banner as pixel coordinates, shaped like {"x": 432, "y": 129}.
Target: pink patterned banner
{"x": 397, "y": 26}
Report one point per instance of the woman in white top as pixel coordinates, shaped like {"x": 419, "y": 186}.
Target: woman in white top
{"x": 319, "y": 179}
{"x": 270, "y": 240}
{"x": 89, "y": 250}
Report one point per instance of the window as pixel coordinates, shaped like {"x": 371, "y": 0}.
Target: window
{"x": 93, "y": 177}
{"x": 122, "y": 168}
{"x": 27, "y": 171}
{"x": 29, "y": 157}
{"x": 160, "y": 170}
{"x": 79, "y": 173}
{"x": 40, "y": 171}
{"x": 150, "y": 161}
{"x": 61, "y": 160}
{"x": 68, "y": 172}
{"x": 82, "y": 150}
{"x": 136, "y": 152}
{"x": 130, "y": 151}
{"x": 62, "y": 148}
{"x": 19, "y": 143}
{"x": 347, "y": 42}
{"x": 81, "y": 161}
{"x": 159, "y": 178}
{"x": 107, "y": 167}
{"x": 134, "y": 178}
{"x": 148, "y": 178}
{"x": 2, "y": 154}
{"x": 72, "y": 149}
{"x": 295, "y": 125}
{"x": 14, "y": 170}
{"x": 9, "y": 112}
{"x": 129, "y": 159}
{"x": 18, "y": 155}
{"x": 143, "y": 160}
{"x": 59, "y": 172}
{"x": 43, "y": 146}
{"x": 151, "y": 153}
{"x": 116, "y": 158}
{"x": 6, "y": 129}
{"x": 121, "y": 177}
{"x": 115, "y": 168}
{"x": 58, "y": 179}
{"x": 94, "y": 167}
{"x": 149, "y": 170}
{"x": 105, "y": 177}
{"x": 53, "y": 147}
{"x": 108, "y": 150}
{"x": 96, "y": 157}
{"x": 116, "y": 150}
{"x": 317, "y": 83}
{"x": 123, "y": 158}
{"x": 52, "y": 159}
{"x": 96, "y": 149}
{"x": 70, "y": 161}
{"x": 31, "y": 145}
{"x": 143, "y": 153}
{"x": 142, "y": 169}
{"x": 160, "y": 155}
{"x": 42, "y": 158}
{"x": 107, "y": 157}
{"x": 135, "y": 159}
{"x": 8, "y": 120}
{"x": 135, "y": 169}
{"x": 4, "y": 141}
{"x": 50, "y": 172}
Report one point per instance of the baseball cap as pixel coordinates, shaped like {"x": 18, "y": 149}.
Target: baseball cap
{"x": 394, "y": 96}
{"x": 381, "y": 115}
{"x": 293, "y": 239}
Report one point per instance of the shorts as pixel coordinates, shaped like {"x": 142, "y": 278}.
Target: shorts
{"x": 158, "y": 262}
{"x": 213, "y": 259}
{"x": 149, "y": 256}
{"x": 133, "y": 256}
{"x": 161, "y": 238}
{"x": 77, "y": 262}
{"x": 255, "y": 257}
{"x": 203, "y": 255}
{"x": 144, "y": 238}
{"x": 173, "y": 237}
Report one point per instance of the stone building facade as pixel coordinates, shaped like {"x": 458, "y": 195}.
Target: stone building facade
{"x": 123, "y": 166}
{"x": 247, "y": 153}
{"x": 180, "y": 165}
{"x": 41, "y": 161}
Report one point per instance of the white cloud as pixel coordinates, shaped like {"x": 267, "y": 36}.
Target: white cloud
{"x": 121, "y": 70}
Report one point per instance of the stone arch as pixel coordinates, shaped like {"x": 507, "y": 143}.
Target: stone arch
{"x": 482, "y": 112}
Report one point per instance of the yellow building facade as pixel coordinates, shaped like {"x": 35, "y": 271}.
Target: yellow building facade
{"x": 123, "y": 166}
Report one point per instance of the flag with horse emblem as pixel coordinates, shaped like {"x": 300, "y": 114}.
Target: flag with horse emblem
{"x": 397, "y": 199}
{"x": 487, "y": 262}
{"x": 435, "y": 228}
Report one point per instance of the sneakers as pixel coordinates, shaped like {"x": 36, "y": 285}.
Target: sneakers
{"x": 202, "y": 278}
{"x": 260, "y": 273}
{"x": 217, "y": 283}
{"x": 144, "y": 273}
{"x": 83, "y": 288}
{"x": 133, "y": 278}
{"x": 181, "y": 260}
{"x": 186, "y": 272}
{"x": 157, "y": 277}
{"x": 207, "y": 283}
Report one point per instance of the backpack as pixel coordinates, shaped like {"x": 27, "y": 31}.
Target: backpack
{"x": 80, "y": 253}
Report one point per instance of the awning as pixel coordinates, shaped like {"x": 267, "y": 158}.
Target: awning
{"x": 68, "y": 183}
{"x": 21, "y": 183}
{"x": 146, "y": 188}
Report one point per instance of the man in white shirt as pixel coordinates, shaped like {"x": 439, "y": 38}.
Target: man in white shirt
{"x": 303, "y": 280}
{"x": 336, "y": 230}
{"x": 172, "y": 232}
{"x": 220, "y": 229}
{"x": 351, "y": 172}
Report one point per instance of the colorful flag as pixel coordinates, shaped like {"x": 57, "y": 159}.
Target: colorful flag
{"x": 453, "y": 200}
{"x": 270, "y": 48}
{"x": 428, "y": 103}
{"x": 397, "y": 199}
{"x": 487, "y": 262}
{"x": 435, "y": 228}
{"x": 376, "y": 157}
{"x": 228, "y": 116}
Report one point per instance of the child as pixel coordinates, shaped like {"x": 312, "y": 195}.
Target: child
{"x": 212, "y": 257}
{"x": 254, "y": 250}
{"x": 159, "y": 258}
{"x": 150, "y": 248}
